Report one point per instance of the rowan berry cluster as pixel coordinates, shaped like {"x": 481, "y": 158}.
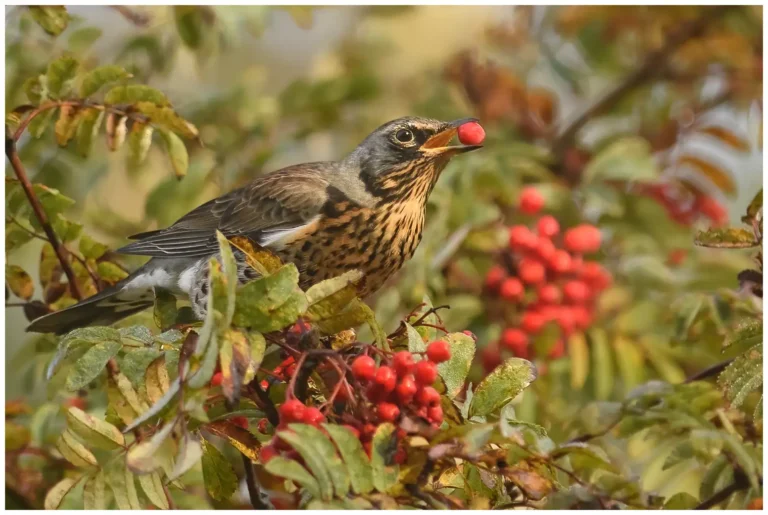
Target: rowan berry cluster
{"x": 544, "y": 278}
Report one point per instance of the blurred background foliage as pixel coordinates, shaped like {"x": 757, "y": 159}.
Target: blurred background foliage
{"x": 644, "y": 121}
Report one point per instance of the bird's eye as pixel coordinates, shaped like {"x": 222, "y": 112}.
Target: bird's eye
{"x": 404, "y": 136}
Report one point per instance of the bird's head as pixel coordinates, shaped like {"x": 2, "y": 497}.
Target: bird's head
{"x": 405, "y": 154}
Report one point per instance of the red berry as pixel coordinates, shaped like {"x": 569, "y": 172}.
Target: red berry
{"x": 364, "y": 368}
{"x": 438, "y": 351}
{"x": 435, "y": 414}
{"x": 548, "y": 226}
{"x": 425, "y": 372}
{"x": 545, "y": 249}
{"x": 531, "y": 271}
{"x": 511, "y": 289}
{"x": 576, "y": 291}
{"x": 591, "y": 271}
{"x": 471, "y": 133}
{"x": 427, "y": 396}
{"x": 549, "y": 294}
{"x": 490, "y": 357}
{"x": 560, "y": 261}
{"x": 558, "y": 350}
{"x": 387, "y": 411}
{"x": 422, "y": 412}
{"x": 565, "y": 320}
{"x": 712, "y": 209}
{"x": 314, "y": 416}
{"x": 239, "y": 421}
{"x": 582, "y": 239}
{"x": 355, "y": 431}
{"x": 494, "y": 277}
{"x": 263, "y": 425}
{"x": 582, "y": 318}
{"x": 292, "y": 411}
{"x": 516, "y": 341}
{"x": 400, "y": 457}
{"x": 676, "y": 257}
{"x": 521, "y": 238}
{"x": 217, "y": 378}
{"x": 531, "y": 201}
{"x": 368, "y": 448}
{"x": 403, "y": 363}
{"x": 368, "y": 430}
{"x": 376, "y": 393}
{"x": 532, "y": 322}
{"x": 386, "y": 378}
{"x": 76, "y": 402}
{"x": 406, "y": 389}
{"x": 267, "y": 453}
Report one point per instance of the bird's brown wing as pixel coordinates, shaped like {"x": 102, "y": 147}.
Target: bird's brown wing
{"x": 279, "y": 201}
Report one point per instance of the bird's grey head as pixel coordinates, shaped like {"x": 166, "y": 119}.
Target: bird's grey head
{"x": 408, "y": 140}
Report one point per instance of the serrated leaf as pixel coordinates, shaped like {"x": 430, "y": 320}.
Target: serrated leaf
{"x": 584, "y": 457}
{"x": 314, "y": 459}
{"x": 91, "y": 364}
{"x": 327, "y": 298}
{"x": 743, "y": 376}
{"x": 19, "y": 282}
{"x": 177, "y": 152}
{"x": 74, "y": 451}
{"x": 627, "y": 159}
{"x": 747, "y": 331}
{"x": 502, "y": 385}
{"x": 134, "y": 93}
{"x": 110, "y": 272}
{"x": 327, "y": 452}
{"x": 220, "y": 479}
{"x": 167, "y": 119}
{"x": 383, "y": 446}
{"x": 142, "y": 458}
{"x": 202, "y": 375}
{"x": 289, "y": 469}
{"x": 190, "y": 452}
{"x": 157, "y": 407}
{"x": 124, "y": 386}
{"x": 415, "y": 342}
{"x": 241, "y": 439}
{"x": 60, "y": 72}
{"x": 41, "y": 122}
{"x": 96, "y": 432}
{"x": 153, "y": 489}
{"x": 353, "y": 454}
{"x": 99, "y": 77}
{"x": 731, "y": 238}
{"x": 454, "y": 371}
{"x": 90, "y": 248}
{"x": 52, "y": 18}
{"x": 121, "y": 480}
{"x": 270, "y": 303}
{"x": 56, "y": 494}
{"x": 95, "y": 492}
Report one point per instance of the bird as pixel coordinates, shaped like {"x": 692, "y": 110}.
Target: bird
{"x": 364, "y": 212}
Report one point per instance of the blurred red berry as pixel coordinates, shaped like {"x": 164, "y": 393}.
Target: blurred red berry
{"x": 386, "y": 378}
{"x": 712, "y": 209}
{"x": 471, "y": 133}
{"x": 401, "y": 456}
{"x": 387, "y": 411}
{"x": 435, "y": 414}
{"x": 582, "y": 239}
{"x": 425, "y": 372}
{"x": 427, "y": 396}
{"x": 677, "y": 257}
{"x": 217, "y": 378}
{"x": 545, "y": 249}
{"x": 531, "y": 271}
{"x": 368, "y": 430}
{"x": 521, "y": 238}
{"x": 364, "y": 368}
{"x": 403, "y": 363}
{"x": 263, "y": 425}
{"x": 494, "y": 277}
{"x": 532, "y": 322}
{"x": 531, "y": 201}
{"x": 406, "y": 389}
{"x": 292, "y": 411}
{"x": 76, "y": 402}
{"x": 314, "y": 416}
{"x": 558, "y": 350}
{"x": 591, "y": 271}
{"x": 239, "y": 421}
{"x": 549, "y": 294}
{"x": 547, "y": 226}
{"x": 582, "y": 318}
{"x": 438, "y": 351}
{"x": 576, "y": 291}
{"x": 355, "y": 431}
{"x": 490, "y": 357}
{"x": 511, "y": 289}
{"x": 561, "y": 261}
{"x": 516, "y": 341}
{"x": 267, "y": 453}
{"x": 565, "y": 320}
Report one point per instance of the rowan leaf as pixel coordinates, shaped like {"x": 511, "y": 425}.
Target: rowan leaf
{"x": 190, "y": 452}
{"x": 95, "y": 492}
{"x": 101, "y": 76}
{"x": 60, "y": 73}
{"x": 353, "y": 454}
{"x": 134, "y": 93}
{"x": 74, "y": 451}
{"x": 314, "y": 459}
{"x": 123, "y": 486}
{"x": 87, "y": 130}
{"x": 731, "y": 238}
{"x": 602, "y": 365}
{"x": 383, "y": 446}
{"x": 455, "y": 371}
{"x": 289, "y": 469}
{"x": 743, "y": 376}
{"x": 91, "y": 364}
{"x": 52, "y": 18}
{"x": 241, "y": 439}
{"x": 177, "y": 152}
{"x": 139, "y": 141}
{"x": 153, "y": 489}
{"x": 627, "y": 159}
{"x": 116, "y": 129}
{"x": 157, "y": 381}
{"x": 19, "y": 281}
{"x": 502, "y": 385}
{"x": 327, "y": 298}
{"x": 725, "y": 136}
{"x": 142, "y": 458}
{"x": 270, "y": 303}
{"x": 157, "y": 407}
{"x": 166, "y": 118}
{"x": 96, "y": 432}
{"x": 325, "y": 449}
{"x": 218, "y": 474}
{"x": 56, "y": 494}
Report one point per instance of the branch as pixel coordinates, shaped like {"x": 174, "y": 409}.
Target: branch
{"x": 18, "y": 168}
{"x": 721, "y": 495}
{"x": 710, "y": 371}
{"x": 250, "y": 481}
{"x": 654, "y": 64}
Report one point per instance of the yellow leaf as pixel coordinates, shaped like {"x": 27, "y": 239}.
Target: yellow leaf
{"x": 157, "y": 381}
{"x": 715, "y": 174}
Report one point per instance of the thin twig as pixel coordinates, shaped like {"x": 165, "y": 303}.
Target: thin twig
{"x": 721, "y": 495}
{"x": 250, "y": 481}
{"x": 655, "y": 63}
{"x": 18, "y": 168}
{"x": 709, "y": 372}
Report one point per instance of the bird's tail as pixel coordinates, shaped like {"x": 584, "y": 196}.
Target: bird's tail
{"x": 104, "y": 308}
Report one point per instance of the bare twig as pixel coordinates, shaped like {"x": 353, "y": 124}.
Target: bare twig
{"x": 250, "y": 481}
{"x": 740, "y": 482}
{"x": 18, "y": 168}
{"x": 655, "y": 63}
{"x": 710, "y": 371}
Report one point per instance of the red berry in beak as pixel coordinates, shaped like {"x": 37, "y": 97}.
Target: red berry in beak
{"x": 471, "y": 133}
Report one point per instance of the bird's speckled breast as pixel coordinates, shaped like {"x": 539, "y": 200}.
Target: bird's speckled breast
{"x": 376, "y": 241}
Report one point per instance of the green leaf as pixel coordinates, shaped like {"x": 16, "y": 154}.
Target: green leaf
{"x": 139, "y": 141}
{"x": 226, "y": 288}
{"x": 74, "y": 451}
{"x": 19, "y": 282}
{"x": 628, "y": 159}
{"x": 730, "y": 238}
{"x": 165, "y": 309}
{"x": 754, "y": 207}
{"x": 584, "y": 457}
{"x": 157, "y": 407}
{"x": 415, "y": 342}
{"x": 40, "y": 123}
{"x": 383, "y": 446}
{"x": 289, "y": 469}
{"x": 270, "y": 303}
{"x": 95, "y": 492}
{"x": 60, "y": 73}
{"x": 354, "y": 457}
{"x": 134, "y": 93}
{"x": 202, "y": 375}
{"x": 166, "y": 118}
{"x": 52, "y": 18}
{"x": 142, "y": 458}
{"x": 101, "y": 76}
{"x": 327, "y": 298}
{"x": 327, "y": 451}
{"x": 314, "y": 458}
{"x": 190, "y": 24}
{"x": 454, "y": 371}
{"x": 90, "y": 248}
{"x": 177, "y": 152}
{"x": 681, "y": 501}
{"x": 123, "y": 486}
{"x": 110, "y": 272}
{"x": 97, "y": 433}
{"x": 87, "y": 130}
{"x": 91, "y": 364}
{"x": 153, "y": 489}
{"x": 220, "y": 479}
{"x": 743, "y": 376}
{"x": 56, "y": 494}
{"x": 502, "y": 385}
{"x": 747, "y": 331}
{"x": 82, "y": 39}
{"x": 603, "y": 371}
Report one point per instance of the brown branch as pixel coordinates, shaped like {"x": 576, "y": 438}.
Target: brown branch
{"x": 250, "y": 481}
{"x": 18, "y": 168}
{"x": 655, "y": 63}
{"x": 740, "y": 482}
